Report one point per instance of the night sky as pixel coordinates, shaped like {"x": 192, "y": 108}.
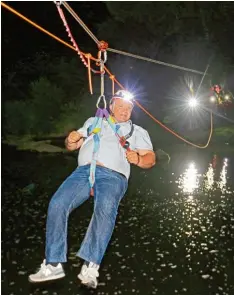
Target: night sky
{"x": 22, "y": 40}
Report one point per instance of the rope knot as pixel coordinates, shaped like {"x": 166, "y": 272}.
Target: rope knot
{"x": 103, "y": 45}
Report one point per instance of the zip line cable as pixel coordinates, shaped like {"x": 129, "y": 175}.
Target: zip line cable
{"x": 77, "y": 18}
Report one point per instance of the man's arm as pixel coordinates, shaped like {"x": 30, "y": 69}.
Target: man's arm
{"x": 142, "y": 158}
{"x": 147, "y": 159}
{"x": 142, "y": 154}
{"x": 73, "y": 141}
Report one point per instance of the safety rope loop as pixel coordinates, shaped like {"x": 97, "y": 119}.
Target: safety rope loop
{"x": 101, "y": 97}
{"x": 102, "y": 78}
{"x": 102, "y": 74}
{"x": 102, "y": 56}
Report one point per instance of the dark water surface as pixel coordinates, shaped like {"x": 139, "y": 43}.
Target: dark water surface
{"x": 174, "y": 233}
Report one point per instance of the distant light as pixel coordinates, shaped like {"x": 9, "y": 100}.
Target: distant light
{"x": 212, "y": 99}
{"x": 227, "y": 97}
{"x": 193, "y": 103}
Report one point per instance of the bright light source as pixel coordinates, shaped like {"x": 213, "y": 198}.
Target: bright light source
{"x": 193, "y": 102}
{"x": 192, "y": 166}
{"x": 212, "y": 99}
{"x": 128, "y": 96}
{"x": 124, "y": 94}
{"x": 227, "y": 97}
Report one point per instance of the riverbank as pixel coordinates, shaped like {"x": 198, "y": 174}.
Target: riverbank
{"x": 222, "y": 140}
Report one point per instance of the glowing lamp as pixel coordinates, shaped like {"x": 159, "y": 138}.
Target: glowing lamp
{"x": 125, "y": 95}
{"x": 212, "y": 99}
{"x": 193, "y": 103}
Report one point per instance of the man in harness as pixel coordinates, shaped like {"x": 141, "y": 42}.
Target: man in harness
{"x": 112, "y": 171}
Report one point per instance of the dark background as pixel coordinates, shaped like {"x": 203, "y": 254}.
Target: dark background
{"x": 189, "y": 34}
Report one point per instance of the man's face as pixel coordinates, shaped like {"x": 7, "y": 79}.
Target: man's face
{"x": 121, "y": 110}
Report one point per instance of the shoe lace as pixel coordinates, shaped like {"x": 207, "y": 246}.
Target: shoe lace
{"x": 92, "y": 272}
{"x": 44, "y": 269}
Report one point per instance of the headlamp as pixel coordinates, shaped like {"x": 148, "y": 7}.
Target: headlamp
{"x": 125, "y": 95}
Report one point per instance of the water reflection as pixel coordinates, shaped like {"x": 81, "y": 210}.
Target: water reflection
{"x": 205, "y": 221}
{"x": 209, "y": 178}
{"x": 173, "y": 237}
{"x": 223, "y": 177}
{"x": 188, "y": 181}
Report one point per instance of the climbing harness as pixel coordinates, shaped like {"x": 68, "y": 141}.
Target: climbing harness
{"x": 123, "y": 140}
{"x": 96, "y": 127}
{"x": 98, "y": 120}
{"x": 95, "y": 130}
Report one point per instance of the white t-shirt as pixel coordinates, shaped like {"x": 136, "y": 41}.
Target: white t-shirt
{"x": 111, "y": 154}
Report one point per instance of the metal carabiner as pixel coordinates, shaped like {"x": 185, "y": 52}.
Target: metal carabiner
{"x": 99, "y": 100}
{"x": 126, "y": 145}
{"x": 104, "y": 59}
{"x": 102, "y": 73}
{"x": 58, "y": 3}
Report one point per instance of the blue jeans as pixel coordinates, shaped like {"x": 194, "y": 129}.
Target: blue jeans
{"x": 109, "y": 189}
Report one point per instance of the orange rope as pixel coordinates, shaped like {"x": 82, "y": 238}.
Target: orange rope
{"x": 164, "y": 126}
{"x": 176, "y": 134}
{"x": 89, "y": 73}
{"x": 114, "y": 79}
{"x": 42, "y": 29}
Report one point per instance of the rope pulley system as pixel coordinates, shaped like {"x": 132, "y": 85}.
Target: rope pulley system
{"x": 100, "y": 61}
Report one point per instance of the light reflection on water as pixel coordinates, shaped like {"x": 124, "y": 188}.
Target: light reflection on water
{"x": 203, "y": 222}
{"x": 175, "y": 236}
{"x": 209, "y": 181}
{"x": 223, "y": 177}
{"x": 191, "y": 182}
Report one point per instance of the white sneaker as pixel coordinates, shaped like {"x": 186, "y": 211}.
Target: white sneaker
{"x": 89, "y": 274}
{"x": 47, "y": 273}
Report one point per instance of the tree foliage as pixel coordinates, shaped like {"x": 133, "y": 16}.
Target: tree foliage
{"x": 43, "y": 92}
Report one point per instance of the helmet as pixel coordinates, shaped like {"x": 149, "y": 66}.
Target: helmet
{"x": 123, "y": 94}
